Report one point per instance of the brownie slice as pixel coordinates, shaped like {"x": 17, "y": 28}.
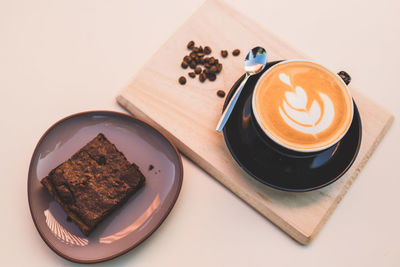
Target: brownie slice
{"x": 93, "y": 182}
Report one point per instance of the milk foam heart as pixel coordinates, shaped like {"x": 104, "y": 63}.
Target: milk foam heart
{"x": 296, "y": 115}
{"x": 302, "y": 105}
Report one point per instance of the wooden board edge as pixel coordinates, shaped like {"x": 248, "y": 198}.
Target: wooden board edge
{"x": 354, "y": 176}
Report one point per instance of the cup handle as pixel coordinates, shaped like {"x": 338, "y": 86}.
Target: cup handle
{"x": 345, "y": 77}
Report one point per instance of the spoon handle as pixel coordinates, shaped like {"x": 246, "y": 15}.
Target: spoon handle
{"x": 228, "y": 110}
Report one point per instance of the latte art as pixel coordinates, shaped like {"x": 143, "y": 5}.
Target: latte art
{"x": 302, "y": 106}
{"x": 295, "y": 114}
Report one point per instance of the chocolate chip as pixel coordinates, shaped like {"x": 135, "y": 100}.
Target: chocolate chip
{"x": 182, "y": 80}
{"x": 224, "y": 53}
{"x": 192, "y": 74}
{"x": 211, "y": 76}
{"x": 190, "y": 45}
{"x": 207, "y": 50}
{"x": 236, "y": 52}
{"x": 213, "y": 69}
{"x": 220, "y": 93}
{"x": 184, "y": 64}
{"x": 202, "y": 77}
{"x": 197, "y": 70}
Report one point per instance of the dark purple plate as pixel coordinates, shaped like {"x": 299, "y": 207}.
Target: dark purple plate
{"x": 130, "y": 224}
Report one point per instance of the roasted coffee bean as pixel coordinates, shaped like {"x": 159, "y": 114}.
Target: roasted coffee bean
{"x": 201, "y": 49}
{"x": 186, "y": 58}
{"x": 213, "y": 69}
{"x": 207, "y": 50}
{"x": 193, "y": 64}
{"x": 207, "y": 65}
{"x": 182, "y": 80}
{"x": 216, "y": 62}
{"x": 202, "y": 77}
{"x": 192, "y": 55}
{"x": 211, "y": 76}
{"x": 219, "y": 67}
{"x": 200, "y": 54}
{"x": 220, "y": 93}
{"x": 190, "y": 45}
{"x": 192, "y": 74}
{"x": 211, "y": 61}
{"x": 236, "y": 52}
{"x": 184, "y": 64}
{"x": 197, "y": 70}
{"x": 205, "y": 59}
{"x": 195, "y": 49}
{"x": 224, "y": 53}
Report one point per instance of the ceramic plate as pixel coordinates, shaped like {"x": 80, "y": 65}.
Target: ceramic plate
{"x": 130, "y": 224}
{"x": 278, "y": 167}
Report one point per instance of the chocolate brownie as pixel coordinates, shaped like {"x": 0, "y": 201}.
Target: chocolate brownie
{"x": 93, "y": 182}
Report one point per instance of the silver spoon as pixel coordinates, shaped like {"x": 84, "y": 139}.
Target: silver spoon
{"x": 254, "y": 63}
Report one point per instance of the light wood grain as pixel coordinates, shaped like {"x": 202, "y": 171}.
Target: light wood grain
{"x": 188, "y": 115}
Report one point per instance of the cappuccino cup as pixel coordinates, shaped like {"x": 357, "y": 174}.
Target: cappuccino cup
{"x": 302, "y": 106}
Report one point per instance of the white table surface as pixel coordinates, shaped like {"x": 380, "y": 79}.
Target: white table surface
{"x": 62, "y": 57}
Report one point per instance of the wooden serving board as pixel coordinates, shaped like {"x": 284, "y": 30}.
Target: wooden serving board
{"x": 188, "y": 115}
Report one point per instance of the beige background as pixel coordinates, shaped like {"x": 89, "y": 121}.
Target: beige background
{"x": 63, "y": 57}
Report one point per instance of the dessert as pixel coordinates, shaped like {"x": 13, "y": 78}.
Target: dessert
{"x": 93, "y": 182}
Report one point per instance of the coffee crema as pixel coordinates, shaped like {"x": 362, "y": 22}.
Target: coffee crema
{"x": 302, "y": 105}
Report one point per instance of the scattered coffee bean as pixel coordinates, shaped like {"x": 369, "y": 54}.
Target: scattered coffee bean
{"x": 190, "y": 45}
{"x": 202, "y": 77}
{"x": 207, "y": 50}
{"x": 196, "y": 57}
{"x": 184, "y": 64}
{"x": 151, "y": 167}
{"x": 220, "y": 93}
{"x": 219, "y": 67}
{"x": 197, "y": 70}
{"x": 211, "y": 76}
{"x": 182, "y": 80}
{"x": 224, "y": 53}
{"x": 236, "y": 52}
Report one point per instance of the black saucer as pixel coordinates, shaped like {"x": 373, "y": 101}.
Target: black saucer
{"x": 276, "y": 166}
